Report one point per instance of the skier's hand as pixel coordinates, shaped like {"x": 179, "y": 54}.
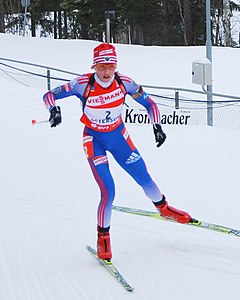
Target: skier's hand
{"x": 55, "y": 116}
{"x": 160, "y": 136}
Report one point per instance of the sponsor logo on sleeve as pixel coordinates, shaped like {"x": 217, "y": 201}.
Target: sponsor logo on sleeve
{"x": 57, "y": 90}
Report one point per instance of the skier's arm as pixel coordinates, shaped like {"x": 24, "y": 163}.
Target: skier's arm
{"x": 63, "y": 91}
{"x": 59, "y": 92}
{"x": 140, "y": 96}
{"x": 143, "y": 98}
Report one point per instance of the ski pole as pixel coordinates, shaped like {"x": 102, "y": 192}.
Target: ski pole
{"x": 35, "y": 122}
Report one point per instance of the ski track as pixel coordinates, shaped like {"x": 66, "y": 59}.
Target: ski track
{"x": 29, "y": 263}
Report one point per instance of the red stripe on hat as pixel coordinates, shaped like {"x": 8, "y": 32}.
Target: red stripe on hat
{"x": 105, "y": 60}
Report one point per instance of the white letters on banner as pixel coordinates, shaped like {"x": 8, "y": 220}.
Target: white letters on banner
{"x": 168, "y": 116}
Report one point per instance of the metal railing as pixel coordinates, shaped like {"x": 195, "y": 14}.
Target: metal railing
{"x": 47, "y": 68}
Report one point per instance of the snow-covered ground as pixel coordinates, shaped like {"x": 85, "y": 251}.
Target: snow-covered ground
{"x": 48, "y": 197}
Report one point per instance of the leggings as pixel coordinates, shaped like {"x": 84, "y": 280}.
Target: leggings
{"x": 117, "y": 142}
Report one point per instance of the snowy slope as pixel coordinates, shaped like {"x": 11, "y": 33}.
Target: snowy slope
{"x": 48, "y": 197}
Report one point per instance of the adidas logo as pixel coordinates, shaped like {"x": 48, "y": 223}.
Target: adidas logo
{"x": 133, "y": 158}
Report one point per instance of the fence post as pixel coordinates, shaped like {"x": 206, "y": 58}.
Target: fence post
{"x": 48, "y": 80}
{"x": 209, "y": 56}
{"x": 176, "y": 99}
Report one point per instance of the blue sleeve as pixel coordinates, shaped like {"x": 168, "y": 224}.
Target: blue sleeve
{"x": 71, "y": 88}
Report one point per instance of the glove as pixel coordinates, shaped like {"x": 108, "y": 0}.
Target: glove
{"x": 55, "y": 116}
{"x": 160, "y": 136}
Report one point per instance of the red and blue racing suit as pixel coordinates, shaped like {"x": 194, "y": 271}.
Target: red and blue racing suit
{"x": 105, "y": 132}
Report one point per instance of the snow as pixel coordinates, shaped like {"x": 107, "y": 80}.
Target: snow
{"x": 48, "y": 197}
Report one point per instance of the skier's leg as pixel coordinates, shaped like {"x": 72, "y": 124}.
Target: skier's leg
{"x": 132, "y": 162}
{"x": 106, "y": 185}
{"x": 98, "y": 162}
{"x": 100, "y": 168}
{"x": 128, "y": 157}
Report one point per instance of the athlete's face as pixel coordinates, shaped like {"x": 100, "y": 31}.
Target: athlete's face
{"x": 105, "y": 72}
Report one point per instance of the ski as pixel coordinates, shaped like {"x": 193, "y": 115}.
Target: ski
{"x": 109, "y": 266}
{"x": 194, "y": 222}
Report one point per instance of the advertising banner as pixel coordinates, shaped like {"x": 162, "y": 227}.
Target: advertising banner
{"x": 169, "y": 116}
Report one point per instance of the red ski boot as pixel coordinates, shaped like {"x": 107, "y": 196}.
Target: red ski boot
{"x": 103, "y": 244}
{"x": 172, "y": 213}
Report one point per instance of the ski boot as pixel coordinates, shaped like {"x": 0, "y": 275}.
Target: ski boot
{"x": 172, "y": 213}
{"x": 103, "y": 244}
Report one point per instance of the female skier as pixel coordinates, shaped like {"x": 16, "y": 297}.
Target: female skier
{"x": 102, "y": 95}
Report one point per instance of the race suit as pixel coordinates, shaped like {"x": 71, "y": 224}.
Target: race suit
{"x": 105, "y": 131}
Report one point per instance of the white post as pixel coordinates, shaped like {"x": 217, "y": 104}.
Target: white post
{"x": 25, "y": 4}
{"x": 108, "y": 29}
